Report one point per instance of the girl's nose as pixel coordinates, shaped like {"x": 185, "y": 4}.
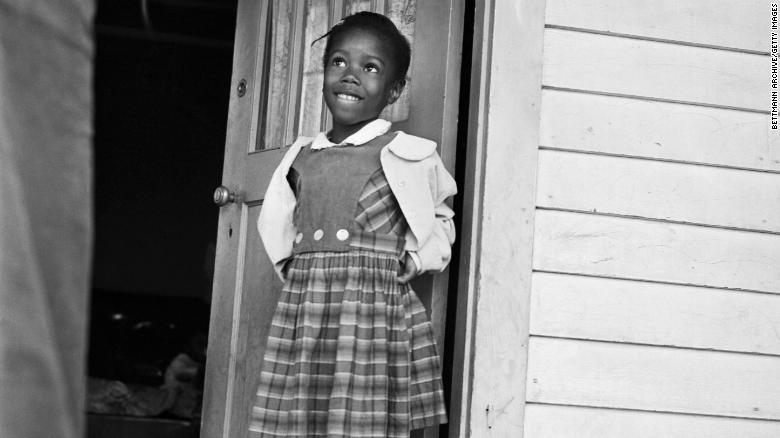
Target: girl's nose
{"x": 350, "y": 77}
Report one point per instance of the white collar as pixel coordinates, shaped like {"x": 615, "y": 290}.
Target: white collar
{"x": 367, "y": 133}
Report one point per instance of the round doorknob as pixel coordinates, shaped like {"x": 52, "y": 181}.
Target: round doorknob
{"x": 223, "y": 196}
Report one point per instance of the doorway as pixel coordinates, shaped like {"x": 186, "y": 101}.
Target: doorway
{"x": 273, "y": 99}
{"x": 163, "y": 81}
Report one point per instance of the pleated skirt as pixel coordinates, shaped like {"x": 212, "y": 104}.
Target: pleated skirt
{"x": 350, "y": 353}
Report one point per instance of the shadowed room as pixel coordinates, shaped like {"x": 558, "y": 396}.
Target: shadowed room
{"x": 161, "y": 83}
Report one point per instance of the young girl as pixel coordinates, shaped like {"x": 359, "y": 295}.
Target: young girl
{"x": 349, "y": 218}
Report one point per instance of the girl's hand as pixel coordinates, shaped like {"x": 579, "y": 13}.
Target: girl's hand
{"x": 409, "y": 270}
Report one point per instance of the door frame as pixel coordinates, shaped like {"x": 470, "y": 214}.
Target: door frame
{"x": 225, "y": 345}
{"x": 497, "y": 218}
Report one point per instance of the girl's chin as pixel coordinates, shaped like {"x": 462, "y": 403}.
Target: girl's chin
{"x": 346, "y": 114}
{"x": 346, "y": 122}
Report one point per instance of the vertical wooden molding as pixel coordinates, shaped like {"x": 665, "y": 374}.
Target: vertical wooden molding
{"x": 235, "y": 336}
{"x": 460, "y": 396}
{"x": 504, "y": 132}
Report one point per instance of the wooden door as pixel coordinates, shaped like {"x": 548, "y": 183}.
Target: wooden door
{"x": 276, "y": 96}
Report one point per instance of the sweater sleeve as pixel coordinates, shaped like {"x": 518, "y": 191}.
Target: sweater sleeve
{"x": 275, "y": 221}
{"x": 435, "y": 253}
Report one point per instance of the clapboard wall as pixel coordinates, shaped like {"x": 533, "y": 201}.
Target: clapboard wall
{"x": 655, "y": 292}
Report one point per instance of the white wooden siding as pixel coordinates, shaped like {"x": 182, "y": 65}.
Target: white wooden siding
{"x": 655, "y": 297}
{"x": 550, "y": 421}
{"x": 725, "y": 23}
{"x": 658, "y": 70}
{"x": 661, "y": 130}
{"x": 656, "y": 189}
{"x": 573, "y": 306}
{"x": 657, "y": 251}
{"x": 625, "y": 376}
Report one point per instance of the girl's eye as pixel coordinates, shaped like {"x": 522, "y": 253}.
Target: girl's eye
{"x": 371, "y": 68}
{"x": 338, "y": 62}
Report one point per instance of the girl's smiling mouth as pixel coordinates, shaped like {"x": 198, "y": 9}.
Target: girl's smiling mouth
{"x": 348, "y": 97}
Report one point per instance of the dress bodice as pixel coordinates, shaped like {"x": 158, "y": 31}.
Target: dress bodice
{"x": 344, "y": 200}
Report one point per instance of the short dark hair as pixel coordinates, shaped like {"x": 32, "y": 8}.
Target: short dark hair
{"x": 383, "y": 28}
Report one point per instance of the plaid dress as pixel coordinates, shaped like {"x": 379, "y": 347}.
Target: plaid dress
{"x": 351, "y": 351}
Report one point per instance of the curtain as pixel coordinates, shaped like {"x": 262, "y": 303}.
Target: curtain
{"x": 46, "y": 50}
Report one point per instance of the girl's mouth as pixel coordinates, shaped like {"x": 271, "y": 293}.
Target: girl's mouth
{"x": 348, "y": 97}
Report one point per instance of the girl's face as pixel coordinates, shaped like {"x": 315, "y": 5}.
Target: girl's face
{"x": 359, "y": 80}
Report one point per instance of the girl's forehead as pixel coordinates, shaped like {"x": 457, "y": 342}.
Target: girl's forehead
{"x": 362, "y": 40}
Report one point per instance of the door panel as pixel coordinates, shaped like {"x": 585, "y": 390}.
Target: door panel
{"x": 282, "y": 73}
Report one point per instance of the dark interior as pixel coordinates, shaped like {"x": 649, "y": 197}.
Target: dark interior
{"x": 162, "y": 80}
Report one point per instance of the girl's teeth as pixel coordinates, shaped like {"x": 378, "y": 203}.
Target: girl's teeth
{"x": 347, "y": 97}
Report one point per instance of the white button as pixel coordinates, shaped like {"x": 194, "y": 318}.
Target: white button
{"x": 342, "y": 234}
{"x": 401, "y": 183}
{"x": 298, "y": 238}
{"x": 318, "y": 234}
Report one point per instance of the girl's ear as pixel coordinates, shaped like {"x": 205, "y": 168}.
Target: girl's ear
{"x": 395, "y": 90}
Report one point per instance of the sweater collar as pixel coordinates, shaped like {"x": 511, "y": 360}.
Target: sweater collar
{"x": 367, "y": 133}
{"x": 411, "y": 147}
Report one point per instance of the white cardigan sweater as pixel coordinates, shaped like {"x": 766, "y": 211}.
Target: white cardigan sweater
{"x": 418, "y": 180}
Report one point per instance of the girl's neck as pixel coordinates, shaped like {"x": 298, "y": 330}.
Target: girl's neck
{"x": 340, "y": 132}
